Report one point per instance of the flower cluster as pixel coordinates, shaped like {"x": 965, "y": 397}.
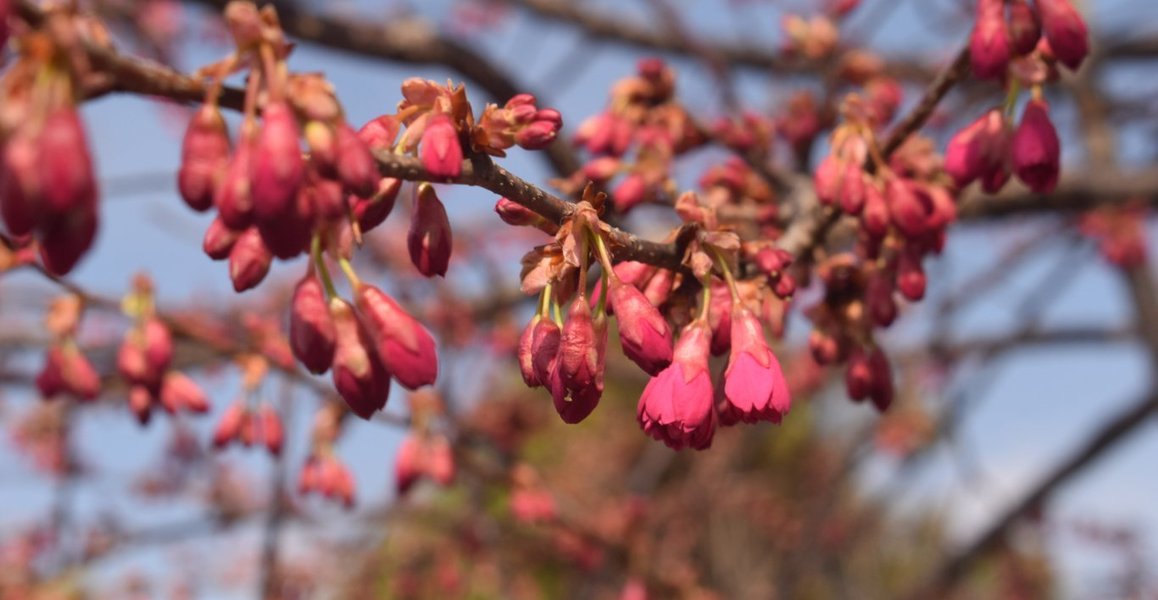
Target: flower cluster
{"x": 1119, "y": 232}
{"x": 1006, "y": 33}
{"x": 66, "y": 370}
{"x": 48, "y": 187}
{"x": 323, "y": 472}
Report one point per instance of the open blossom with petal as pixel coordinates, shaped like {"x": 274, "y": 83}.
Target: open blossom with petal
{"x": 1036, "y": 149}
{"x": 643, "y": 331}
{"x": 676, "y": 406}
{"x": 754, "y": 385}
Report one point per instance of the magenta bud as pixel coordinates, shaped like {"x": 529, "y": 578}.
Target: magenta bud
{"x": 875, "y": 214}
{"x": 408, "y": 464}
{"x": 908, "y": 207}
{"x": 76, "y": 374}
{"x": 1036, "y": 149}
{"x": 406, "y": 348}
{"x": 989, "y": 43}
{"x": 429, "y": 238}
{"x": 356, "y": 167}
{"x": 882, "y": 391}
{"x": 910, "y": 276}
{"x": 64, "y": 167}
{"x": 329, "y": 200}
{"x": 288, "y": 233}
{"x": 64, "y": 239}
{"x": 379, "y": 134}
{"x": 229, "y": 426}
{"x": 249, "y": 260}
{"x": 20, "y": 200}
{"x": 643, "y": 332}
{"x": 359, "y": 376}
{"x": 158, "y": 348}
{"x": 179, "y": 392}
{"x": 545, "y": 350}
{"x": 827, "y": 180}
{"x": 371, "y": 212}
{"x": 879, "y": 300}
{"x": 219, "y": 240}
{"x": 141, "y": 403}
{"x": 858, "y": 376}
{"x": 581, "y": 362}
{"x": 513, "y": 213}
{"x": 629, "y": 193}
{"x": 1024, "y": 27}
{"x": 50, "y": 381}
{"x": 441, "y": 151}
{"x": 278, "y": 169}
{"x": 852, "y": 189}
{"x": 526, "y": 353}
{"x": 234, "y": 199}
{"x": 204, "y": 158}
{"x": 720, "y": 317}
{"x": 323, "y": 144}
{"x": 272, "y": 432}
{"x": 824, "y": 348}
{"x": 311, "y": 326}
{"x": 676, "y": 406}
{"x": 541, "y": 131}
{"x": 1065, "y": 30}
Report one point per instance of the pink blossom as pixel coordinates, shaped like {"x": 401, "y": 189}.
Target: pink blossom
{"x": 405, "y": 347}
{"x": 311, "y": 326}
{"x": 429, "y": 238}
{"x": 989, "y": 43}
{"x": 754, "y": 385}
{"x": 676, "y": 405}
{"x": 278, "y": 169}
{"x": 643, "y": 331}
{"x": 441, "y": 151}
{"x": 1036, "y": 149}
{"x": 1065, "y": 30}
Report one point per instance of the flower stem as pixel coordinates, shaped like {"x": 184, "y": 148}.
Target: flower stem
{"x": 320, "y": 263}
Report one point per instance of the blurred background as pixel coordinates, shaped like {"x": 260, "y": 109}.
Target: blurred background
{"x": 1016, "y": 460}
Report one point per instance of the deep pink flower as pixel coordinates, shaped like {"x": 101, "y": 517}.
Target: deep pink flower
{"x": 525, "y": 354}
{"x": 676, "y": 405}
{"x": 643, "y": 332}
{"x": 441, "y": 151}
{"x": 875, "y": 214}
{"x": 978, "y": 149}
{"x": 379, "y": 133}
{"x": 20, "y": 202}
{"x": 356, "y": 167}
{"x": 249, "y": 260}
{"x": 1065, "y": 30}
{"x": 234, "y": 197}
{"x": 371, "y": 212}
{"x": 311, "y": 326}
{"x": 910, "y": 275}
{"x": 219, "y": 240}
{"x": 64, "y": 239}
{"x": 66, "y": 179}
{"x": 545, "y": 350}
{"x": 630, "y": 192}
{"x": 404, "y": 345}
{"x": 1036, "y": 149}
{"x": 278, "y": 169}
{"x": 359, "y": 376}
{"x": 989, "y": 43}
{"x": 429, "y": 238}
{"x": 754, "y": 385}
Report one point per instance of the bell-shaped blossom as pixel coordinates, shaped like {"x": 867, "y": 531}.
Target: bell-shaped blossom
{"x": 754, "y": 385}
{"x": 1036, "y": 149}
{"x": 989, "y": 44}
{"x": 676, "y": 406}
{"x": 405, "y": 347}
{"x": 311, "y": 326}
{"x": 441, "y": 151}
{"x": 1066, "y": 31}
{"x": 643, "y": 332}
{"x": 429, "y": 239}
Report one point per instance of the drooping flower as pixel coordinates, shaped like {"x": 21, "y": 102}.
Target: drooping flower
{"x": 754, "y": 385}
{"x": 429, "y": 238}
{"x": 1065, "y": 30}
{"x": 278, "y": 168}
{"x": 404, "y": 345}
{"x": 676, "y": 406}
{"x": 311, "y": 326}
{"x": 643, "y": 332}
{"x": 989, "y": 43}
{"x": 1036, "y": 149}
{"x": 441, "y": 151}
{"x": 581, "y": 362}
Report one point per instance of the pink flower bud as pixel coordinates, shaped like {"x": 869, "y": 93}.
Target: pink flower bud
{"x": 440, "y": 461}
{"x": 827, "y": 180}
{"x": 969, "y": 153}
{"x": 234, "y": 198}
{"x": 249, "y": 260}
{"x": 989, "y": 44}
{"x": 288, "y": 233}
{"x": 278, "y": 169}
{"x": 852, "y": 189}
{"x": 359, "y": 375}
{"x": 1036, "y": 150}
{"x": 581, "y": 362}
{"x": 219, "y": 240}
{"x": 643, "y": 332}
{"x": 408, "y": 464}
{"x": 20, "y": 199}
{"x": 371, "y": 212}
{"x": 272, "y": 432}
{"x": 379, "y": 134}
{"x": 908, "y": 208}
{"x": 676, "y": 405}
{"x": 141, "y": 403}
{"x": 910, "y": 276}
{"x": 659, "y": 286}
{"x": 878, "y": 293}
{"x": 545, "y": 350}
{"x": 824, "y": 348}
{"x": 601, "y": 169}
{"x": 50, "y": 381}
{"x": 311, "y": 327}
{"x": 1066, "y": 31}
{"x": 229, "y": 427}
{"x": 404, "y": 345}
{"x": 882, "y": 391}
{"x": 513, "y": 213}
{"x": 356, "y": 167}
{"x": 630, "y": 192}
{"x": 441, "y": 152}
{"x": 526, "y": 354}
{"x": 754, "y": 385}
{"x": 329, "y": 200}
{"x": 875, "y": 214}
{"x": 541, "y": 132}
{"x": 158, "y": 346}
{"x": 429, "y": 238}
{"x": 204, "y": 158}
{"x": 64, "y": 239}
{"x": 858, "y": 376}
{"x": 178, "y": 391}
{"x": 323, "y": 145}
{"x": 67, "y": 182}
{"x": 1024, "y": 27}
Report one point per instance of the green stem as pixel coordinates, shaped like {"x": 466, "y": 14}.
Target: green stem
{"x": 604, "y": 255}
{"x": 320, "y": 264}
{"x": 731, "y": 281}
{"x": 348, "y": 269}
{"x": 706, "y": 298}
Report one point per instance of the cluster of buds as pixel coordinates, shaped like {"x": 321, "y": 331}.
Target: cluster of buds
{"x": 990, "y": 151}
{"x": 270, "y": 200}
{"x": 248, "y": 426}
{"x": 425, "y": 453}
{"x": 642, "y": 114}
{"x": 48, "y": 187}
{"x": 1006, "y": 32}
{"x": 66, "y": 370}
{"x": 145, "y": 356}
{"x": 323, "y": 472}
{"x": 1119, "y": 232}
